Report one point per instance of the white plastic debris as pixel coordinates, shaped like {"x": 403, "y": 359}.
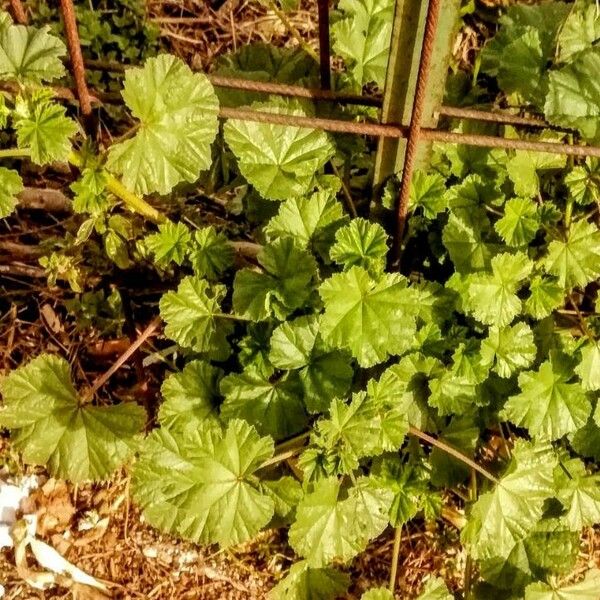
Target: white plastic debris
{"x": 11, "y": 496}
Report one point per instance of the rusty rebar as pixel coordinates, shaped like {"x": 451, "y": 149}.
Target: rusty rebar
{"x": 493, "y": 117}
{"x": 399, "y": 131}
{"x": 76, "y": 59}
{"x": 324, "y": 47}
{"x": 414, "y": 131}
{"x": 18, "y": 12}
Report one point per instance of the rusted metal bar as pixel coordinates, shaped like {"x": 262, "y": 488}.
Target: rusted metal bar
{"x": 493, "y": 117}
{"x": 324, "y": 49}
{"x": 414, "y": 132}
{"x": 77, "y": 67}
{"x": 296, "y": 91}
{"x": 18, "y": 12}
{"x": 399, "y": 131}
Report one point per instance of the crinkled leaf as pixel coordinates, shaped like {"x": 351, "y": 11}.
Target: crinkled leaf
{"x": 573, "y": 98}
{"x": 361, "y": 243}
{"x": 43, "y": 127}
{"x": 576, "y": 259}
{"x": 362, "y": 38}
{"x": 200, "y": 483}
{"x": 427, "y": 191}
{"x": 508, "y": 350}
{"x": 492, "y": 298}
{"x": 193, "y": 315}
{"x": 588, "y": 368}
{"x": 435, "y": 589}
{"x": 273, "y": 404}
{"x": 324, "y": 373}
{"x": 177, "y": 111}
{"x": 587, "y": 589}
{"x": 546, "y": 295}
{"x": 312, "y": 221}
{"x": 30, "y": 54}
{"x": 10, "y": 185}
{"x": 579, "y": 494}
{"x": 504, "y": 516}
{"x": 189, "y": 397}
{"x": 377, "y": 594}
{"x": 372, "y": 319}
{"x": 170, "y": 244}
{"x": 89, "y": 191}
{"x": 525, "y": 166}
{"x": 580, "y": 31}
{"x": 520, "y": 222}
{"x": 583, "y": 182}
{"x": 210, "y": 253}
{"x": 328, "y": 527}
{"x": 284, "y": 284}
{"x": 306, "y": 583}
{"x": 548, "y": 406}
{"x": 51, "y": 426}
{"x": 280, "y": 161}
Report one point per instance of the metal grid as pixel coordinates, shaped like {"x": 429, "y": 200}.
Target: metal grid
{"x": 413, "y": 133}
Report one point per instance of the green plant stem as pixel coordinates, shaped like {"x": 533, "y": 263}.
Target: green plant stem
{"x": 452, "y": 452}
{"x": 568, "y": 213}
{"x": 395, "y": 556}
{"x": 292, "y": 30}
{"x": 469, "y": 562}
{"x": 134, "y": 202}
{"x": 15, "y": 153}
{"x": 231, "y": 317}
{"x": 280, "y": 457}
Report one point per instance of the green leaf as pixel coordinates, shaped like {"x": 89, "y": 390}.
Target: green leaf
{"x": 30, "y": 54}
{"x": 324, "y": 373}
{"x": 330, "y": 527}
{"x": 211, "y": 254}
{"x": 492, "y": 298}
{"x": 435, "y": 589}
{"x": 200, "y": 483}
{"x": 407, "y": 481}
{"x": 284, "y": 285}
{"x": 552, "y": 547}
{"x": 576, "y": 259}
{"x": 377, "y": 594}
{"x": 507, "y": 514}
{"x": 509, "y": 349}
{"x": 170, "y": 244}
{"x": 372, "y": 319}
{"x": 427, "y": 190}
{"x": 11, "y": 184}
{"x": 42, "y": 127}
{"x": 580, "y": 31}
{"x": 573, "y": 98}
{"x": 51, "y": 426}
{"x": 516, "y": 57}
{"x": 579, "y": 493}
{"x": 587, "y": 589}
{"x": 362, "y": 38}
{"x": 280, "y": 161}
{"x": 362, "y": 428}
{"x": 545, "y": 297}
{"x": 361, "y": 243}
{"x": 177, "y": 111}
{"x": 286, "y": 492}
{"x": 189, "y": 397}
{"x": 465, "y": 237}
{"x": 583, "y": 182}
{"x": 193, "y": 315}
{"x": 311, "y": 221}
{"x": 273, "y": 404}
{"x": 524, "y": 167}
{"x": 588, "y": 368}
{"x": 305, "y": 583}
{"x": 548, "y": 406}
{"x": 90, "y": 192}
{"x": 520, "y": 222}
